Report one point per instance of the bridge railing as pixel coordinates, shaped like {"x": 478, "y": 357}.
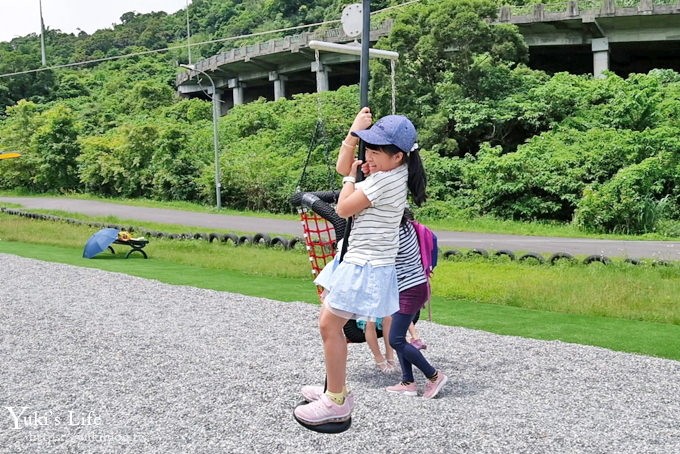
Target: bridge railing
{"x": 573, "y": 8}
{"x": 290, "y": 43}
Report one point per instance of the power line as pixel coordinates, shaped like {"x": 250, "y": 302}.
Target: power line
{"x": 180, "y": 46}
{"x": 165, "y": 49}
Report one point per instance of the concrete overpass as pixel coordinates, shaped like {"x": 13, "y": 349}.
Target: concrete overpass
{"x": 578, "y": 37}
{"x": 277, "y": 68}
{"x": 586, "y": 37}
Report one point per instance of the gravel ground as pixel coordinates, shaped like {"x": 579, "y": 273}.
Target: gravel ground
{"x": 93, "y": 361}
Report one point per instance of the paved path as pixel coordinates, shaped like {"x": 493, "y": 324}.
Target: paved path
{"x": 663, "y": 250}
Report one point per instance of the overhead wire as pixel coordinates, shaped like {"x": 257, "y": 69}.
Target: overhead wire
{"x": 181, "y": 46}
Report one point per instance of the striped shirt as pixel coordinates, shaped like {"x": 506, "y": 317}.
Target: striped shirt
{"x": 374, "y": 236}
{"x": 409, "y": 266}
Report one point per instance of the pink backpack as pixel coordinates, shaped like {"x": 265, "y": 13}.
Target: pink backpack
{"x": 429, "y": 251}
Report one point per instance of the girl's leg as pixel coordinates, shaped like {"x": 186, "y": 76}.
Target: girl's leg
{"x": 408, "y": 355}
{"x": 334, "y": 405}
{"x": 413, "y": 332}
{"x": 398, "y": 328}
{"x": 372, "y": 341}
{"x": 334, "y": 349}
{"x": 389, "y": 351}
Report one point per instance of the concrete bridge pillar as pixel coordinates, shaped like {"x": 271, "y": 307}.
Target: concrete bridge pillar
{"x": 321, "y": 76}
{"x": 279, "y": 84}
{"x": 218, "y": 101}
{"x": 236, "y": 90}
{"x": 600, "y": 48}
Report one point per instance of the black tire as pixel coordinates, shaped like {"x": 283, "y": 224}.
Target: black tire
{"x": 596, "y": 258}
{"x": 451, "y": 254}
{"x": 277, "y": 241}
{"x": 262, "y": 239}
{"x": 476, "y": 252}
{"x": 201, "y": 236}
{"x": 213, "y": 236}
{"x": 532, "y": 256}
{"x": 505, "y": 252}
{"x": 557, "y": 256}
{"x": 319, "y": 203}
{"x": 245, "y": 239}
{"x": 229, "y": 237}
{"x": 633, "y": 261}
{"x": 295, "y": 241}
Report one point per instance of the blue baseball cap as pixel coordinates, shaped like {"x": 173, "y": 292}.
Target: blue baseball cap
{"x": 394, "y": 130}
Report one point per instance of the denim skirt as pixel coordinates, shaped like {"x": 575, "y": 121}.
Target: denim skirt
{"x": 360, "y": 291}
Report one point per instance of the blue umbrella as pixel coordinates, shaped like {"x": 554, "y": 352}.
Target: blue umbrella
{"x": 99, "y": 241}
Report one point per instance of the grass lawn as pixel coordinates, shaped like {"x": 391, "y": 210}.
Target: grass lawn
{"x": 281, "y": 283}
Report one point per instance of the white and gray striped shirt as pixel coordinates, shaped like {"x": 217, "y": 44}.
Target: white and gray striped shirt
{"x": 409, "y": 266}
{"x": 374, "y": 236}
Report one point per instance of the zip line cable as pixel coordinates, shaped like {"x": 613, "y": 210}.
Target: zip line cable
{"x": 165, "y": 49}
{"x": 181, "y": 46}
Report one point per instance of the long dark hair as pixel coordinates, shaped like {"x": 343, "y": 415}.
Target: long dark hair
{"x": 417, "y": 180}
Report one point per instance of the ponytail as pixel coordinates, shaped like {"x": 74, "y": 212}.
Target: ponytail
{"x": 416, "y": 172}
{"x": 417, "y": 180}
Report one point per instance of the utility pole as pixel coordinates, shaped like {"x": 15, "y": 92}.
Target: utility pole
{"x": 215, "y": 118}
{"x": 188, "y": 33}
{"x": 42, "y": 36}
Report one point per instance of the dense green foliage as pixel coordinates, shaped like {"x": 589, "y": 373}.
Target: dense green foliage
{"x": 498, "y": 138}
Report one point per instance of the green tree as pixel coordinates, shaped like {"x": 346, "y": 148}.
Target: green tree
{"x": 56, "y": 146}
{"x": 449, "y": 54}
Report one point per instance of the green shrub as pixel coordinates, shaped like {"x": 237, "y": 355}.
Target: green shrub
{"x": 633, "y": 201}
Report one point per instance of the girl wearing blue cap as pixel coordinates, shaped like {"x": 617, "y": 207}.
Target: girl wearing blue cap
{"x": 364, "y": 284}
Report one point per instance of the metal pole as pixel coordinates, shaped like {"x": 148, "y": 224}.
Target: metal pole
{"x": 363, "y": 100}
{"x": 352, "y": 50}
{"x": 42, "y": 36}
{"x": 363, "y": 70}
{"x": 365, "y": 47}
{"x": 216, "y": 145}
{"x": 188, "y": 33}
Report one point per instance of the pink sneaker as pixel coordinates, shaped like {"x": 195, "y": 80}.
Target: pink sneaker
{"x": 311, "y": 392}
{"x": 432, "y": 388}
{"x": 323, "y": 410}
{"x": 419, "y": 344}
{"x": 401, "y": 388}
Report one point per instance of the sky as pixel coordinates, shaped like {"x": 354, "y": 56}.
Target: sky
{"x": 22, "y": 17}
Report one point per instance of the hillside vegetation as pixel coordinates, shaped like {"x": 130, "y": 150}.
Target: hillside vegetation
{"x": 498, "y": 138}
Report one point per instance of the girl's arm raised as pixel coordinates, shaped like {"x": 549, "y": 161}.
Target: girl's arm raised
{"x": 346, "y": 156}
{"x": 351, "y": 201}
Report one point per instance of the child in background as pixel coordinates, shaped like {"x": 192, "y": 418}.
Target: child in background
{"x": 384, "y": 362}
{"x": 413, "y": 294}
